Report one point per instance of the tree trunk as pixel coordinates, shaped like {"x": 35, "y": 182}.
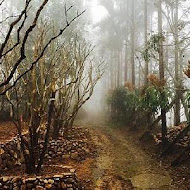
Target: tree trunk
{"x": 57, "y": 126}
{"x": 66, "y": 130}
{"x": 146, "y": 41}
{"x": 160, "y": 116}
{"x": 177, "y": 86}
{"x": 49, "y": 125}
{"x": 2, "y": 103}
{"x": 161, "y": 72}
{"x": 148, "y": 115}
{"x": 139, "y": 77}
{"x": 118, "y": 69}
{"x": 111, "y": 70}
{"x": 126, "y": 62}
{"x": 126, "y": 47}
{"x": 34, "y": 124}
{"x": 115, "y": 69}
{"x": 133, "y": 41}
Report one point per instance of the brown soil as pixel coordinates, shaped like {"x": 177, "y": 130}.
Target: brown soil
{"x": 48, "y": 170}
{"x": 180, "y": 174}
{"x": 120, "y": 159}
{"x": 84, "y": 171}
{"x": 121, "y": 156}
{"x": 7, "y": 131}
{"x": 83, "y": 168}
{"x": 108, "y": 172}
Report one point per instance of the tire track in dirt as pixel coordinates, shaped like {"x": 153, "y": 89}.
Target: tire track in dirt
{"x": 120, "y": 160}
{"x": 105, "y": 176}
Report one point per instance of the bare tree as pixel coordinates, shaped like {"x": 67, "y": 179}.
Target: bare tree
{"x": 72, "y": 97}
{"x": 21, "y": 42}
{"x": 22, "y": 69}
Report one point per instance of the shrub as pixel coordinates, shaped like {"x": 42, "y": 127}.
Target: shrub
{"x": 134, "y": 106}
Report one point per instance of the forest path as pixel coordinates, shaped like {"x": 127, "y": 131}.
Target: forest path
{"x": 119, "y": 159}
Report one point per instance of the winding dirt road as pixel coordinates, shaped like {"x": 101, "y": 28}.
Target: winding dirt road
{"x": 122, "y": 165}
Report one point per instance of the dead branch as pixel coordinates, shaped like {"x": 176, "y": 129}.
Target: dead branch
{"x": 12, "y": 25}
{"x": 39, "y": 57}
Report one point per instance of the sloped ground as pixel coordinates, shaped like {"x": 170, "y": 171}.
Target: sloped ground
{"x": 120, "y": 162}
{"x": 82, "y": 164}
{"x": 120, "y": 159}
{"x": 7, "y": 131}
{"x": 107, "y": 174}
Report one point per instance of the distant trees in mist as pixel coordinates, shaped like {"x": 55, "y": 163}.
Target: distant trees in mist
{"x": 144, "y": 37}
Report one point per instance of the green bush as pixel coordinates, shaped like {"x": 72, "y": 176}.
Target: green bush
{"x": 116, "y": 99}
{"x": 153, "y": 101}
{"x": 131, "y": 106}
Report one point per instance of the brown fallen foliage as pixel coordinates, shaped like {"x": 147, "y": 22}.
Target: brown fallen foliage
{"x": 7, "y": 131}
{"x": 173, "y": 132}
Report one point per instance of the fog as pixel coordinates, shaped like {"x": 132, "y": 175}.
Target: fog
{"x": 97, "y": 91}
{"x": 122, "y": 32}
{"x": 111, "y": 27}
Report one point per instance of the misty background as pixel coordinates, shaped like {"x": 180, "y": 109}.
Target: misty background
{"x": 117, "y": 31}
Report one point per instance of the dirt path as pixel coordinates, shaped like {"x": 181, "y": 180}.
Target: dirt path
{"x": 119, "y": 159}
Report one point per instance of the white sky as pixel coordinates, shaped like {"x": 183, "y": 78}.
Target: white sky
{"x": 97, "y": 11}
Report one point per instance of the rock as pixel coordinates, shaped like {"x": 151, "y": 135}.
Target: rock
{"x": 5, "y": 187}
{"x": 48, "y": 186}
{"x": 74, "y": 148}
{"x": 40, "y": 187}
{"x": 59, "y": 153}
{"x": 16, "y": 188}
{"x": 26, "y": 152}
{"x": 87, "y": 151}
{"x": 72, "y": 170}
{"x": 9, "y": 164}
{"x": 66, "y": 156}
{"x": 74, "y": 155}
{"x": 46, "y": 181}
{"x": 23, "y": 187}
{"x": 18, "y": 162}
{"x": 2, "y": 151}
{"x": 16, "y": 179}
{"x": 51, "y": 181}
{"x": 5, "y": 179}
{"x": 22, "y": 159}
{"x": 63, "y": 185}
{"x": 70, "y": 180}
{"x": 15, "y": 155}
{"x": 30, "y": 185}
{"x": 4, "y": 156}
{"x": 31, "y": 179}
{"x": 57, "y": 176}
{"x": 11, "y": 152}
